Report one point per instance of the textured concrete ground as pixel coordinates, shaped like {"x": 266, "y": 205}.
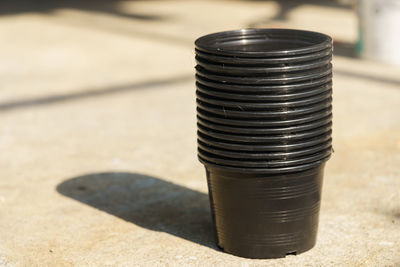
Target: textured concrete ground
{"x": 97, "y": 133}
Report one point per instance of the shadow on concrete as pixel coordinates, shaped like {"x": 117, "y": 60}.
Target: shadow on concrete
{"x": 146, "y": 201}
{"x": 286, "y": 6}
{"x": 111, "y": 7}
{"x": 345, "y": 49}
{"x": 367, "y": 77}
{"x": 88, "y": 93}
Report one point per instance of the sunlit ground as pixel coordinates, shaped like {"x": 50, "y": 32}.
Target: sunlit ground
{"x": 98, "y": 135}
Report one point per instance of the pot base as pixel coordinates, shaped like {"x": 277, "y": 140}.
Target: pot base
{"x": 265, "y": 215}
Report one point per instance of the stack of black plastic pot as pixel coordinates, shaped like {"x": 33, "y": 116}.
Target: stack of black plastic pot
{"x": 264, "y": 133}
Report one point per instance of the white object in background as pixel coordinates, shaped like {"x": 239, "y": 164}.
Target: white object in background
{"x": 380, "y": 30}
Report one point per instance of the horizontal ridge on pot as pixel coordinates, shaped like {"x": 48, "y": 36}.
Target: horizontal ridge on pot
{"x": 283, "y": 78}
{"x": 263, "y": 163}
{"x": 297, "y": 168}
{"x": 264, "y": 155}
{"x": 263, "y": 43}
{"x": 283, "y": 113}
{"x": 263, "y": 146}
{"x": 249, "y": 70}
{"x": 264, "y": 88}
{"x": 260, "y": 61}
{"x": 265, "y": 130}
{"x": 262, "y": 123}
{"x": 290, "y": 137}
{"x": 254, "y": 104}
{"x": 262, "y": 96}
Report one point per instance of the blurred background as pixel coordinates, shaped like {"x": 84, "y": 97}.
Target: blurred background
{"x": 102, "y": 87}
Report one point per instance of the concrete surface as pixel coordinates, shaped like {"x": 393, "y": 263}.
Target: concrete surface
{"x": 97, "y": 126}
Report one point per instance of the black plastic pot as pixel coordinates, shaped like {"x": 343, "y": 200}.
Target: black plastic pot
{"x": 264, "y": 118}
{"x": 263, "y": 215}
